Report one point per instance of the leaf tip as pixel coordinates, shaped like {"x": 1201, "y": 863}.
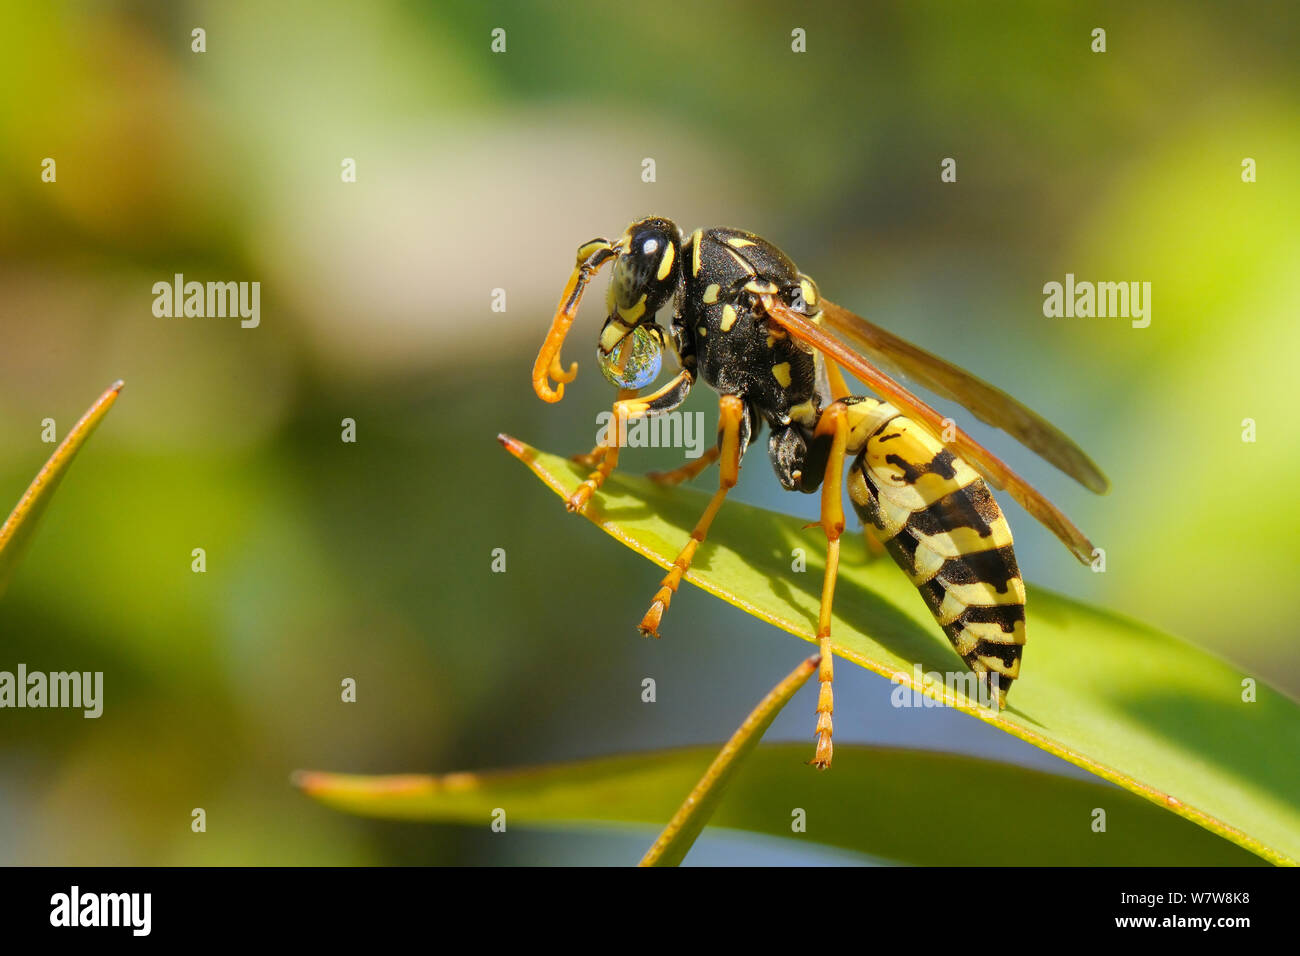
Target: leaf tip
{"x": 517, "y": 448}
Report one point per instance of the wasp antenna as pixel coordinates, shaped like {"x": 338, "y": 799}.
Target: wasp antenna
{"x": 591, "y": 256}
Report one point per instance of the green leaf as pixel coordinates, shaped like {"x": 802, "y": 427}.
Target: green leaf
{"x": 914, "y": 807}
{"x": 18, "y": 528}
{"x": 1140, "y": 708}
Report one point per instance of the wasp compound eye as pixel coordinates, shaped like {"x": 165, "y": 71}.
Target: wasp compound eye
{"x": 634, "y": 360}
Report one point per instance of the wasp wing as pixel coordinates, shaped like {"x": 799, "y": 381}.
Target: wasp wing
{"x": 994, "y": 470}
{"x": 986, "y": 402}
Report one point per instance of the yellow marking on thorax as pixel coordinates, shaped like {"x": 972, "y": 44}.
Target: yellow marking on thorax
{"x": 666, "y": 263}
{"x": 736, "y": 242}
{"x": 782, "y": 374}
{"x": 711, "y": 293}
{"x": 805, "y": 413}
{"x": 728, "y": 317}
{"x": 695, "y": 251}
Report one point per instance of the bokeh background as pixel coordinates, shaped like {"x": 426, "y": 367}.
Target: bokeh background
{"x": 479, "y": 171}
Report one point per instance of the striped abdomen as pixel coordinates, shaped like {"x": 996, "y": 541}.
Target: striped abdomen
{"x": 939, "y": 522}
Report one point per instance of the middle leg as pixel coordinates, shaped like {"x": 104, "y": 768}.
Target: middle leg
{"x": 731, "y": 418}
{"x": 687, "y": 471}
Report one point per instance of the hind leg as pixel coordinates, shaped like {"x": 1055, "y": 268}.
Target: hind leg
{"x": 832, "y": 424}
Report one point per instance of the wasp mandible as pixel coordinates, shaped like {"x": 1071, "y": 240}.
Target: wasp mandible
{"x": 756, "y": 330}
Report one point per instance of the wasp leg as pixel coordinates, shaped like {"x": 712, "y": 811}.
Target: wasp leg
{"x": 731, "y": 416}
{"x": 687, "y": 471}
{"x": 834, "y": 423}
{"x": 590, "y": 459}
{"x": 626, "y": 409}
{"x": 676, "y": 476}
{"x": 839, "y": 388}
{"x": 594, "y": 457}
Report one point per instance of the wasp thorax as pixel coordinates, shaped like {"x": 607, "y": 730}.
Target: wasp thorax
{"x": 632, "y": 359}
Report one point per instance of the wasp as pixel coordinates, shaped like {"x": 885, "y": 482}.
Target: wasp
{"x": 758, "y": 332}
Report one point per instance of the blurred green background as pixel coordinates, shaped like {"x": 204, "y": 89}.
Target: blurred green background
{"x": 479, "y": 171}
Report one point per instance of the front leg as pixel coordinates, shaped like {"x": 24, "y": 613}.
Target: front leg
{"x": 626, "y": 409}
{"x": 594, "y": 457}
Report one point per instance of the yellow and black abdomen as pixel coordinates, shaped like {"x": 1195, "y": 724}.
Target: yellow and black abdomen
{"x": 939, "y": 522}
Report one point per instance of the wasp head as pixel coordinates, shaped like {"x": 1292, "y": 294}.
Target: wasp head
{"x": 647, "y": 273}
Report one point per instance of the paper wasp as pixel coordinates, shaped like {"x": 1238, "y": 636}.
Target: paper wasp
{"x": 757, "y": 331}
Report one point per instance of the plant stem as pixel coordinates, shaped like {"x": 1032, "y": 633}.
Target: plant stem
{"x": 689, "y": 821}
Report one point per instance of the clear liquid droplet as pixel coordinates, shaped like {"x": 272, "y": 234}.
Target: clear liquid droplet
{"x": 635, "y": 362}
